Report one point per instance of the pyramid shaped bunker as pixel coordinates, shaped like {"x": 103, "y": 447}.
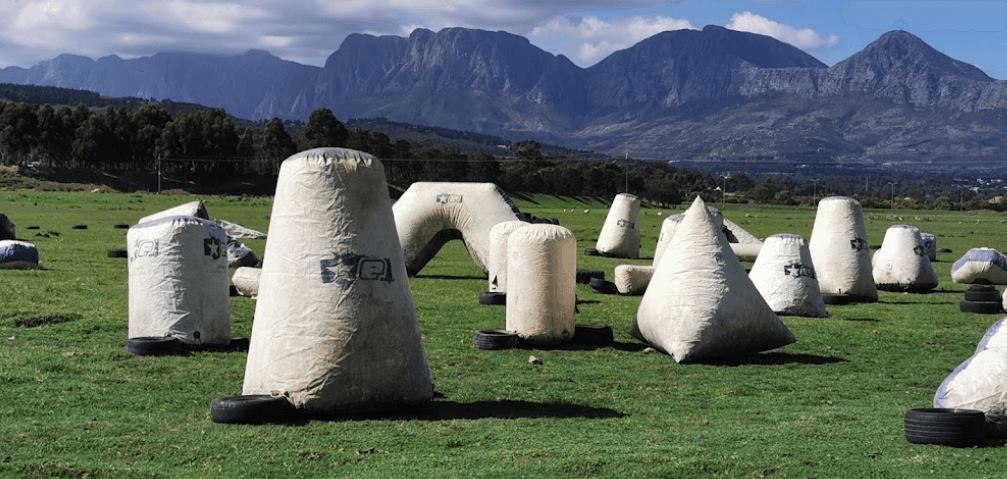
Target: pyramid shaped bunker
{"x": 840, "y": 251}
{"x": 701, "y": 305}
{"x": 902, "y": 264}
{"x": 620, "y": 235}
{"x": 785, "y": 276}
{"x": 335, "y": 330}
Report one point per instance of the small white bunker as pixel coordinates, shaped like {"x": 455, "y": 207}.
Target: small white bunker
{"x": 430, "y": 214}
{"x": 16, "y": 254}
{"x": 901, "y": 264}
{"x": 335, "y": 330}
{"x": 541, "y": 307}
{"x": 840, "y": 251}
{"x": 499, "y": 234}
{"x": 620, "y": 234}
{"x": 980, "y": 265}
{"x": 700, "y": 304}
{"x": 980, "y": 382}
{"x": 178, "y": 285}
{"x": 785, "y": 276}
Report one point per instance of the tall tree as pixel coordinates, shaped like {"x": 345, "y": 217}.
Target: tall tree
{"x": 276, "y": 144}
{"x": 324, "y": 130}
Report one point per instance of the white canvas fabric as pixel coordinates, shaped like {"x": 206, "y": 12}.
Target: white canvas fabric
{"x": 178, "y": 284}
{"x": 541, "y": 306}
{"x": 246, "y": 280}
{"x": 429, "y": 214}
{"x": 335, "y": 330}
{"x": 901, "y": 264}
{"x": 739, "y": 233}
{"x": 193, "y": 208}
{"x": 235, "y": 230}
{"x": 620, "y": 234}
{"x": 785, "y": 276}
{"x": 930, "y": 243}
{"x": 840, "y": 251}
{"x": 986, "y": 264}
{"x": 632, "y": 279}
{"x": 980, "y": 382}
{"x": 747, "y": 251}
{"x": 668, "y": 228}
{"x": 499, "y": 234}
{"x": 16, "y": 254}
{"x": 700, "y": 304}
{"x": 239, "y": 255}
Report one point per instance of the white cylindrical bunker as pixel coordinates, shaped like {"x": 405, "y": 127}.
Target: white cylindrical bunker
{"x": 335, "y": 330}
{"x": 978, "y": 265}
{"x": 632, "y": 279}
{"x": 541, "y": 306}
{"x": 785, "y": 276}
{"x": 178, "y": 284}
{"x": 499, "y": 234}
{"x": 668, "y": 227}
{"x": 901, "y": 264}
{"x": 246, "y": 281}
{"x": 620, "y": 235}
{"x": 930, "y": 244}
{"x": 840, "y": 251}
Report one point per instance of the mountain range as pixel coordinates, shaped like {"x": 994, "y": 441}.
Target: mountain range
{"x": 687, "y": 95}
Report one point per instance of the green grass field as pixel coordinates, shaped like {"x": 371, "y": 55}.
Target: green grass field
{"x": 76, "y": 404}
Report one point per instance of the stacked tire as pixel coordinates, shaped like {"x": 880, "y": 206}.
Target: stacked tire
{"x": 982, "y": 299}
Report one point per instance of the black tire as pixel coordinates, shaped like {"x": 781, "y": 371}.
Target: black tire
{"x": 981, "y": 307}
{"x": 495, "y": 339}
{"x": 982, "y": 292}
{"x": 117, "y": 253}
{"x": 600, "y": 286}
{"x": 232, "y": 290}
{"x": 493, "y": 298}
{"x": 154, "y": 346}
{"x": 947, "y": 427}
{"x": 251, "y": 409}
{"x": 944, "y": 250}
{"x": 837, "y": 298}
{"x": 595, "y": 334}
{"x": 591, "y": 252}
{"x": 31, "y": 227}
{"x": 584, "y": 276}
{"x": 79, "y": 227}
{"x": 239, "y": 344}
{"x": 121, "y": 226}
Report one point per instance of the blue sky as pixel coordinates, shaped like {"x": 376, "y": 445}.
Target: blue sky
{"x": 307, "y": 31}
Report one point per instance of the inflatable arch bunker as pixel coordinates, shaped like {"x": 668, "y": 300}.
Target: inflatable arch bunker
{"x": 430, "y": 214}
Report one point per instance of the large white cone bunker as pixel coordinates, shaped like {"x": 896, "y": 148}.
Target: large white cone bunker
{"x": 785, "y": 276}
{"x": 430, "y": 214}
{"x": 901, "y": 264}
{"x": 499, "y": 235}
{"x": 980, "y": 382}
{"x": 334, "y": 328}
{"x": 980, "y": 265}
{"x": 178, "y": 281}
{"x": 701, "y": 305}
{"x": 620, "y": 234}
{"x": 840, "y": 251}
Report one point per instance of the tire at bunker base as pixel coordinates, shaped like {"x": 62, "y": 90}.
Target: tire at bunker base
{"x": 154, "y": 346}
{"x": 495, "y": 339}
{"x": 980, "y": 307}
{"x": 251, "y": 409}
{"x": 945, "y": 426}
{"x": 493, "y": 298}
{"x": 593, "y": 334}
{"x": 982, "y": 292}
{"x": 584, "y": 276}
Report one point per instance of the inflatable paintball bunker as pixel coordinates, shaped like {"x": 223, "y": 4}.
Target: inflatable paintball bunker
{"x": 632, "y": 279}
{"x": 246, "y": 280}
{"x": 499, "y": 235}
{"x": 668, "y": 228}
{"x": 15, "y": 254}
{"x": 980, "y": 265}
{"x": 427, "y": 215}
{"x": 620, "y": 234}
{"x": 700, "y": 304}
{"x": 541, "y": 307}
{"x": 192, "y": 208}
{"x": 178, "y": 285}
{"x": 334, "y": 329}
{"x": 840, "y": 251}
{"x": 785, "y": 276}
{"x": 239, "y": 255}
{"x": 980, "y": 382}
{"x": 7, "y": 229}
{"x": 901, "y": 264}
{"x": 930, "y": 244}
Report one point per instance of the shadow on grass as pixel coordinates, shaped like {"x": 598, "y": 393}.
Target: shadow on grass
{"x": 419, "y": 276}
{"x": 574, "y": 346}
{"x": 775, "y": 359}
{"x": 862, "y": 320}
{"x": 445, "y": 410}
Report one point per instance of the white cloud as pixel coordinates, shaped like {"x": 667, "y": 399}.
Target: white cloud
{"x": 803, "y": 38}
{"x": 587, "y": 40}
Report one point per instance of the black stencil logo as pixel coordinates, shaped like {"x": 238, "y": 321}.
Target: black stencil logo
{"x": 345, "y": 269}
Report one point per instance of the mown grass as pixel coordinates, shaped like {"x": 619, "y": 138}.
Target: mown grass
{"x": 76, "y": 404}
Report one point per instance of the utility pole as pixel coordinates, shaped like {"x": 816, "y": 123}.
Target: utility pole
{"x": 892, "y": 184}
{"x": 814, "y": 194}
{"x": 723, "y": 196}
